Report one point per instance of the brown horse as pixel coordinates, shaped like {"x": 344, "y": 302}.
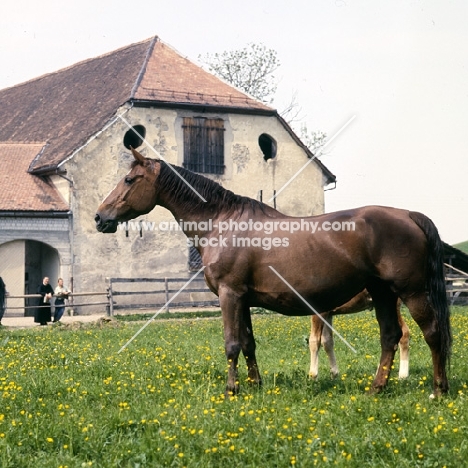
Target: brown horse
{"x": 321, "y": 334}
{"x": 390, "y": 252}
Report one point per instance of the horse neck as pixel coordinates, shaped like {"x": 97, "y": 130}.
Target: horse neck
{"x": 188, "y": 205}
{"x": 186, "y": 214}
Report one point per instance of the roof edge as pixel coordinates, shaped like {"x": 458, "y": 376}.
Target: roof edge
{"x": 330, "y": 177}
{"x": 143, "y": 67}
{"x": 80, "y": 62}
{"x": 203, "y": 107}
{"x": 35, "y": 214}
{"x": 36, "y": 158}
{"x": 52, "y": 169}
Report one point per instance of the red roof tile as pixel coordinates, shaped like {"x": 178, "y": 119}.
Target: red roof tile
{"x": 66, "y": 108}
{"x": 170, "y": 77}
{"x": 69, "y": 106}
{"x": 21, "y": 191}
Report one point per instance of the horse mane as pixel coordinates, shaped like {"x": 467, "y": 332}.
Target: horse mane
{"x": 218, "y": 199}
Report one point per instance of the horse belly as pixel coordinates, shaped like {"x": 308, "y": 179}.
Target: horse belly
{"x": 304, "y": 299}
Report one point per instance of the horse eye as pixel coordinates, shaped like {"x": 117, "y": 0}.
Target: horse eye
{"x": 128, "y": 180}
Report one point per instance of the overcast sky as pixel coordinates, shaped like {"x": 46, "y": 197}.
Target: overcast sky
{"x": 400, "y": 67}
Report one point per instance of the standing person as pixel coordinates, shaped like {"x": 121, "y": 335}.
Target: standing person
{"x": 61, "y": 294}
{"x": 43, "y": 312}
{"x": 3, "y": 294}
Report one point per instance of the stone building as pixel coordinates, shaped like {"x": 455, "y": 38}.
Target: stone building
{"x": 64, "y": 140}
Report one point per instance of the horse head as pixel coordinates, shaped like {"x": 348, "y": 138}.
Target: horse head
{"x": 133, "y": 196}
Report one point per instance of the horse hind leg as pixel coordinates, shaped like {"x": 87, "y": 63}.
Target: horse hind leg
{"x": 426, "y": 318}
{"x": 385, "y": 302}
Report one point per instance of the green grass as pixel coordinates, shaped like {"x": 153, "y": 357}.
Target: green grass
{"x": 68, "y": 399}
{"x": 168, "y": 315}
{"x": 463, "y": 246}
{"x": 185, "y": 315}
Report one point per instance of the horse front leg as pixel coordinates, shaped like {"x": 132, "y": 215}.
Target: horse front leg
{"x": 248, "y": 347}
{"x": 316, "y": 327}
{"x": 238, "y": 335}
{"x": 328, "y": 344}
{"x": 321, "y": 334}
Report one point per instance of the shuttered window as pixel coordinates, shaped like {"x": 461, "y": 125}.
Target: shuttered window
{"x": 204, "y": 145}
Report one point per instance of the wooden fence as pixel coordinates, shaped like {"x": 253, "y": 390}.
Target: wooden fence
{"x": 137, "y": 294}
{"x": 158, "y": 292}
{"x": 457, "y": 285}
{"x": 32, "y": 302}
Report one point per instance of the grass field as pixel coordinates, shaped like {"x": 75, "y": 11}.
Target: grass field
{"x": 68, "y": 399}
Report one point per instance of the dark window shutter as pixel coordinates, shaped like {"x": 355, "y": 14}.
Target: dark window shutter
{"x": 204, "y": 145}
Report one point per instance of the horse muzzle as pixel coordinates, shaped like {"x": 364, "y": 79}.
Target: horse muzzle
{"x": 105, "y": 225}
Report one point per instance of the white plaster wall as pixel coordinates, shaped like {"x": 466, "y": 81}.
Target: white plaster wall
{"x": 12, "y": 271}
{"x": 97, "y": 168}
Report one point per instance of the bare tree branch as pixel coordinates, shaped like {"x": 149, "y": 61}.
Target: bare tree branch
{"x": 250, "y": 69}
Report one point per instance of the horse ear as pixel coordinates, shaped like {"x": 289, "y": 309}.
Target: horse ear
{"x": 139, "y": 157}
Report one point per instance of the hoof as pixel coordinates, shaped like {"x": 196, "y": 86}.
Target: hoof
{"x": 375, "y": 390}
{"x": 437, "y": 394}
{"x": 230, "y": 392}
{"x": 254, "y": 382}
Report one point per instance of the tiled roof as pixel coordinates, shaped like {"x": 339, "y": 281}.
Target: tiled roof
{"x": 21, "y": 191}
{"x": 67, "y": 107}
{"x": 171, "y": 78}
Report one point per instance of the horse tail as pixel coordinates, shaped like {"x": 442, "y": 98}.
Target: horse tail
{"x": 435, "y": 281}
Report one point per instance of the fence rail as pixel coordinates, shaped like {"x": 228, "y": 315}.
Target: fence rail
{"x": 456, "y": 283}
{"x": 71, "y": 303}
{"x": 197, "y": 294}
{"x": 157, "y": 292}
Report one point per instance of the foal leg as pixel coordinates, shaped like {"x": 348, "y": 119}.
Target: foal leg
{"x": 385, "y": 302}
{"x": 238, "y": 336}
{"x": 403, "y": 345}
{"x": 424, "y": 315}
{"x": 329, "y": 345}
{"x": 316, "y": 328}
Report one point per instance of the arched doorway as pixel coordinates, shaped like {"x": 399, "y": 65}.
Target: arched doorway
{"x": 23, "y": 264}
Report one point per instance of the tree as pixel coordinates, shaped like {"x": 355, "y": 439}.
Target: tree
{"x": 250, "y": 69}
{"x": 315, "y": 141}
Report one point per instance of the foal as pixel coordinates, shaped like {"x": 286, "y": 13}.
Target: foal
{"x": 322, "y": 334}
